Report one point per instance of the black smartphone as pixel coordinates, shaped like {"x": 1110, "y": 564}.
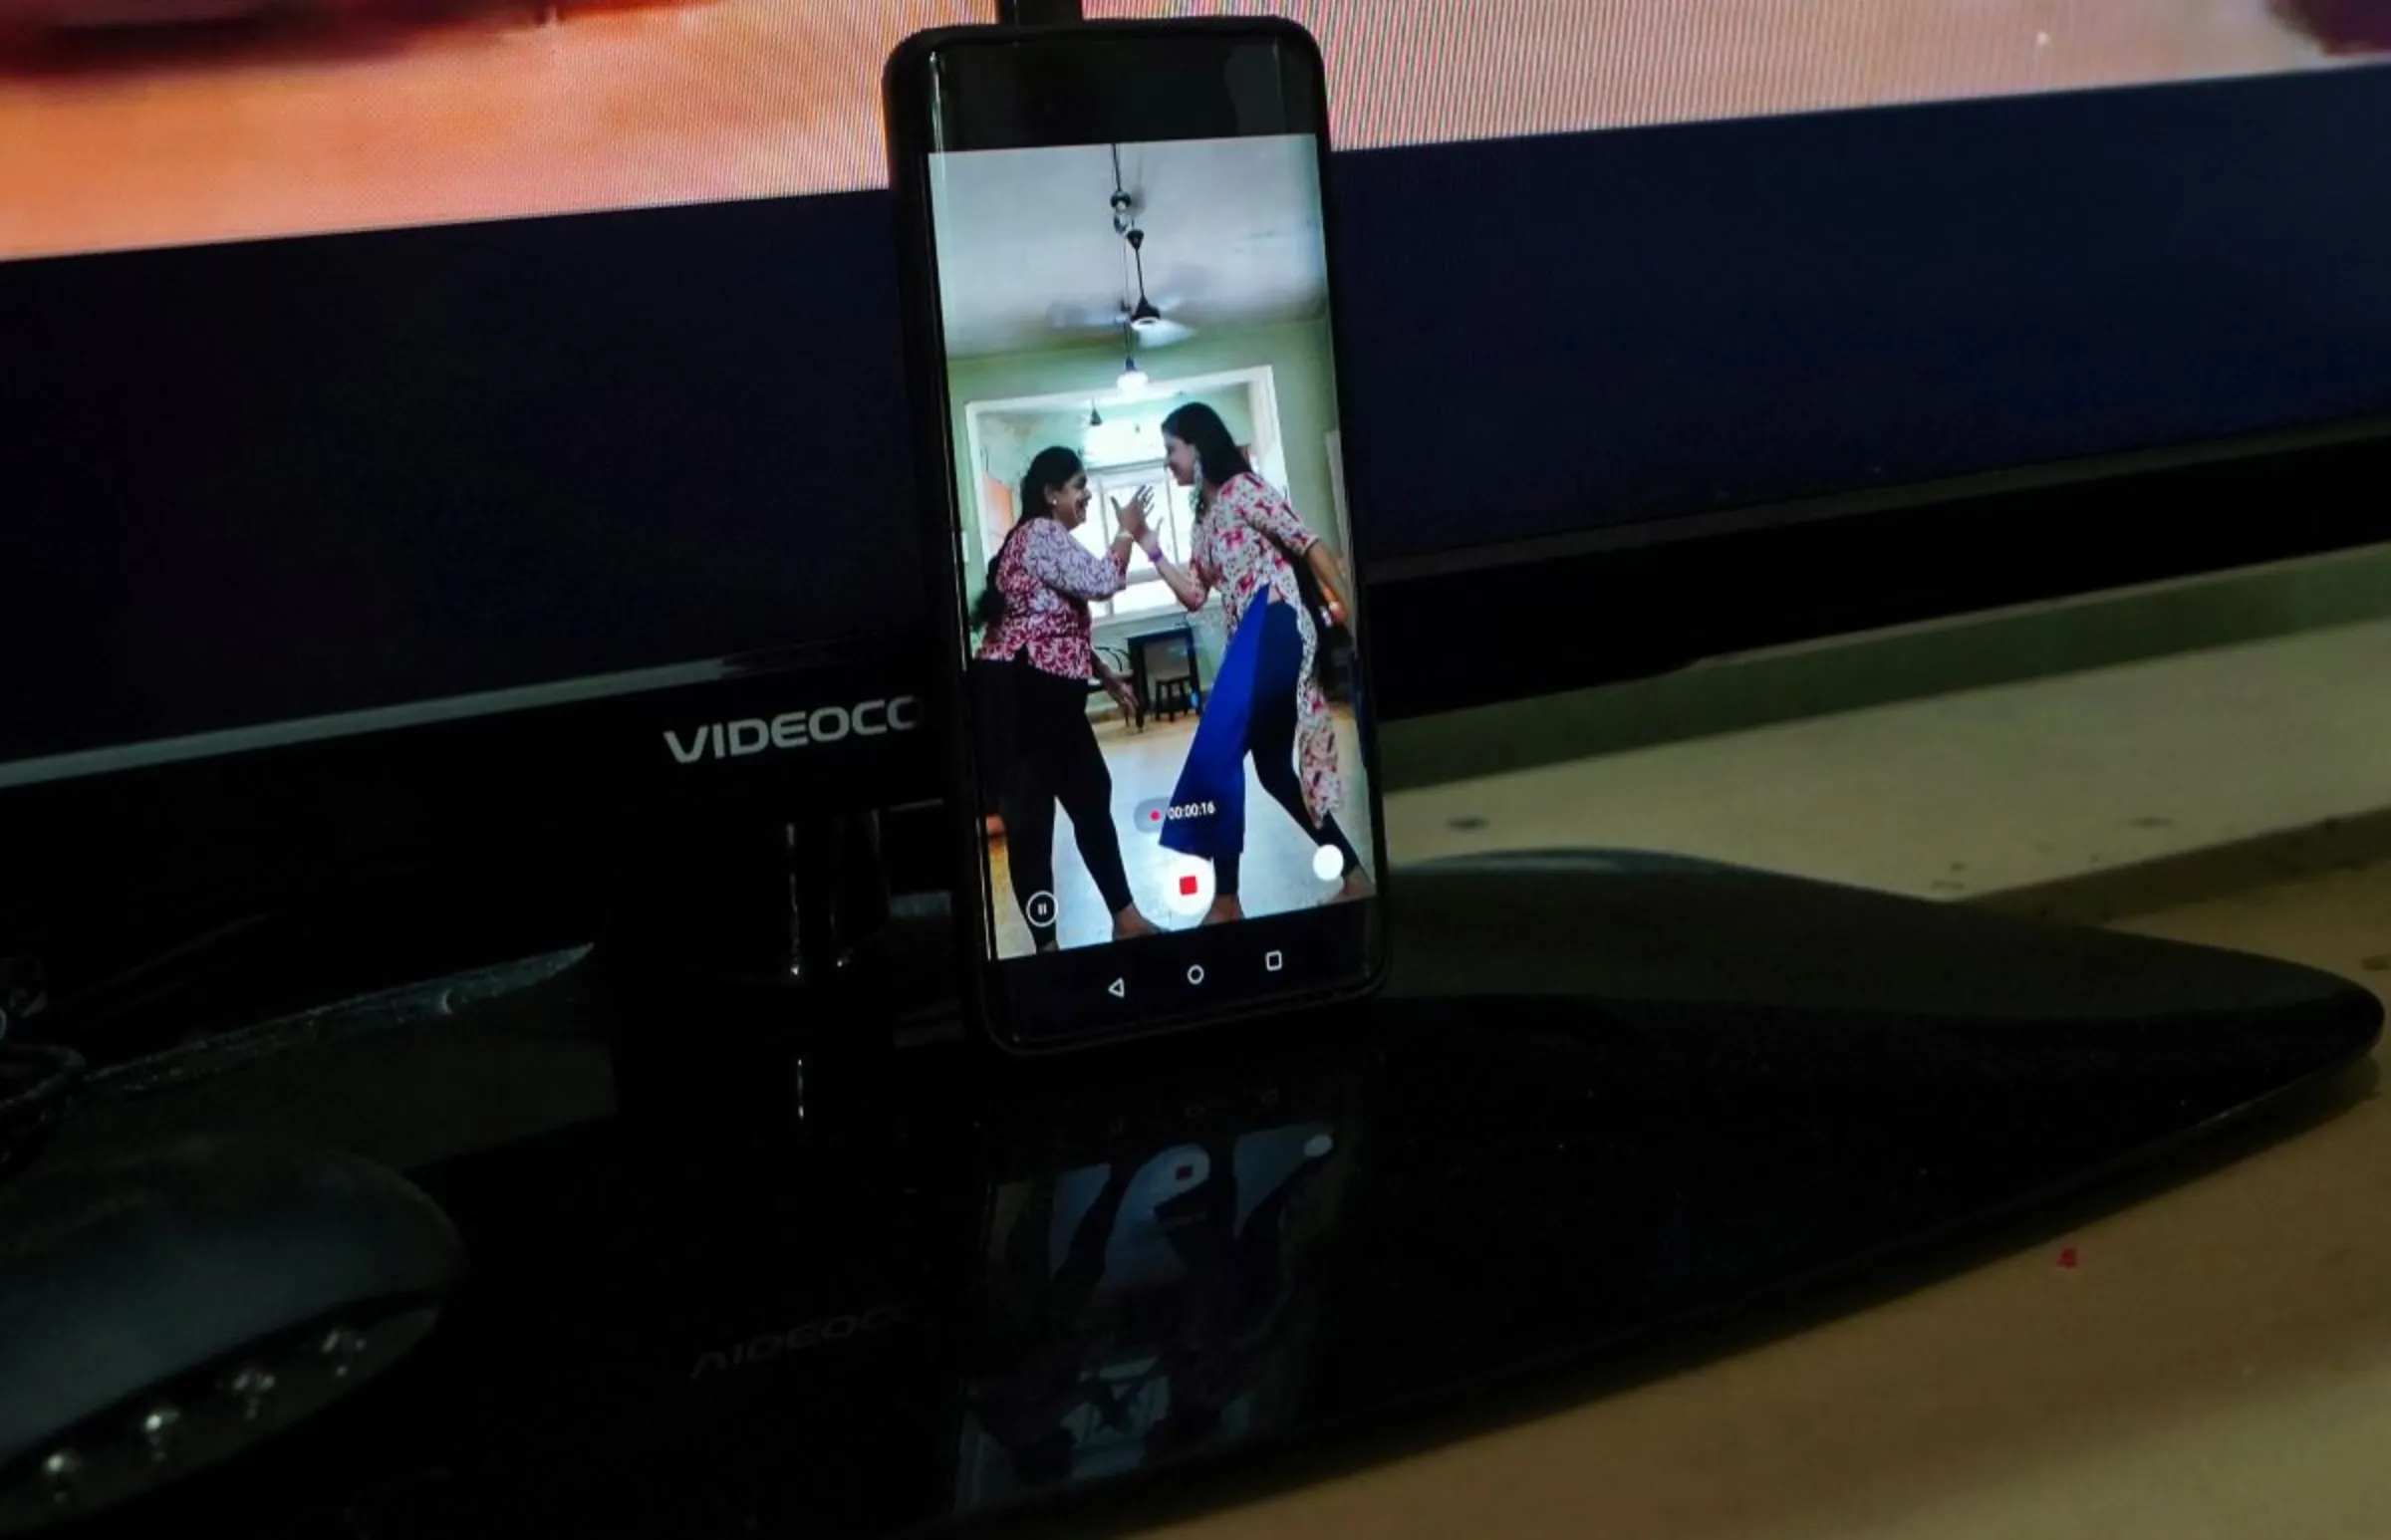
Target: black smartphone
{"x": 1123, "y": 345}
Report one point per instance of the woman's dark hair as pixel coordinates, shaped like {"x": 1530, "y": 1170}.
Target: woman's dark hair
{"x": 1218, "y": 460}
{"x": 1050, "y": 471}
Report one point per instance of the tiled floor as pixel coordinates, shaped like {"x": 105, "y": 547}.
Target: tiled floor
{"x": 1277, "y": 874}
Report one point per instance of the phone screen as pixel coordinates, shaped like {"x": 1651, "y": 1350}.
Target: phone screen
{"x": 1159, "y": 629}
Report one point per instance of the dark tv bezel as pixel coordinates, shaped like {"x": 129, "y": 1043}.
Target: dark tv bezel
{"x": 1476, "y": 628}
{"x": 559, "y": 799}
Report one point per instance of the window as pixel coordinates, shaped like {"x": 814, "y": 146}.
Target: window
{"x": 1173, "y": 515}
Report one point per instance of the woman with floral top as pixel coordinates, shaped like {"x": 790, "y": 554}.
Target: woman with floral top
{"x": 1036, "y": 657}
{"x": 1268, "y": 703}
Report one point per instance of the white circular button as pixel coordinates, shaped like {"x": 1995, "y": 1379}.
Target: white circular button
{"x": 1188, "y": 886}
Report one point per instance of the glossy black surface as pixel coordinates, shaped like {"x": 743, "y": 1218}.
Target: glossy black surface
{"x": 147, "y": 1283}
{"x": 1608, "y": 1103}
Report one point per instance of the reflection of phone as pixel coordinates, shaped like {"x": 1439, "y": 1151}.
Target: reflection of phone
{"x": 1125, "y": 374}
{"x": 1149, "y": 1288}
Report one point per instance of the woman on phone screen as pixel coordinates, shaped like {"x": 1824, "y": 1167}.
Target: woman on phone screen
{"x": 1035, "y": 656}
{"x": 1267, "y": 702}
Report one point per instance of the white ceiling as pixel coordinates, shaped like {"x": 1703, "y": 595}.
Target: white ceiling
{"x": 1233, "y": 238}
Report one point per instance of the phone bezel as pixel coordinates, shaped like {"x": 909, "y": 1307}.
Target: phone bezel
{"x": 906, "y": 83}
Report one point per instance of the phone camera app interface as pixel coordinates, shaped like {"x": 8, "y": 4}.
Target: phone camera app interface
{"x": 1155, "y": 545}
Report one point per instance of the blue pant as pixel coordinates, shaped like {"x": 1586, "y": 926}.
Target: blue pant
{"x": 1252, "y": 710}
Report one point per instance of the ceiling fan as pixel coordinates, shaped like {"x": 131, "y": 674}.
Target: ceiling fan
{"x": 1149, "y": 321}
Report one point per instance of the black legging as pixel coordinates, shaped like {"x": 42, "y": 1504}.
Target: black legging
{"x": 1054, "y": 759}
{"x": 1271, "y": 739}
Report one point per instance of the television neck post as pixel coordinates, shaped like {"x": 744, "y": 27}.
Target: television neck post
{"x": 1038, "y": 13}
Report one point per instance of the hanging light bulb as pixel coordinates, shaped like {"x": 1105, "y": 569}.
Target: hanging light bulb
{"x": 1133, "y": 379}
{"x": 1095, "y": 418}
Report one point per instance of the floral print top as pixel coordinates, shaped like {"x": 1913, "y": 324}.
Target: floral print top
{"x": 1047, "y": 578}
{"x": 1245, "y": 542}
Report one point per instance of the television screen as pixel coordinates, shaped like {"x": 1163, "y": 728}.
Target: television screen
{"x": 381, "y": 361}
{"x": 160, "y": 122}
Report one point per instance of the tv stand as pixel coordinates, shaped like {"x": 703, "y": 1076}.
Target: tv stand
{"x": 1697, "y": 970}
{"x": 1674, "y": 944}
{"x": 1038, "y": 13}
{"x": 1662, "y": 936}
{"x": 1608, "y": 1099}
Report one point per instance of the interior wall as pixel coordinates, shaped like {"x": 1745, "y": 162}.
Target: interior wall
{"x": 1296, "y": 354}
{"x": 1297, "y": 357}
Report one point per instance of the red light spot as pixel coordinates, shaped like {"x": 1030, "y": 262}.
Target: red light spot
{"x": 1154, "y": 817}
{"x": 2067, "y": 1257}
{"x": 1187, "y": 887}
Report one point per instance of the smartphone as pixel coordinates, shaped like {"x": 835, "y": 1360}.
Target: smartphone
{"x": 1123, "y": 349}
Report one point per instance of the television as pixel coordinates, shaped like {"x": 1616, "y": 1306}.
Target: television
{"x": 451, "y": 458}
